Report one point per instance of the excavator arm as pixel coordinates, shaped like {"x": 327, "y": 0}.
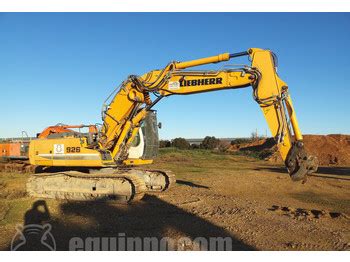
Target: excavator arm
{"x": 131, "y": 102}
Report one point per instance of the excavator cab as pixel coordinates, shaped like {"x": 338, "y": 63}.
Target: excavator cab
{"x": 146, "y": 143}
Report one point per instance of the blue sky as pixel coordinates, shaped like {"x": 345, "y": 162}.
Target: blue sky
{"x": 59, "y": 67}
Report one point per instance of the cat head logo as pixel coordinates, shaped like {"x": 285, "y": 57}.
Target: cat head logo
{"x": 33, "y": 237}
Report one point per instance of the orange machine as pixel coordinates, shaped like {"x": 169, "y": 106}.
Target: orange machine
{"x": 60, "y": 129}
{"x": 4, "y": 150}
{"x": 15, "y": 149}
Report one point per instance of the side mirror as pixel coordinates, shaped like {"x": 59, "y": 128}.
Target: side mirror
{"x": 160, "y": 125}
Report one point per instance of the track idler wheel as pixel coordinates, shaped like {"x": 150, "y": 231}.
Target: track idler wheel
{"x": 159, "y": 181}
{"x": 155, "y": 180}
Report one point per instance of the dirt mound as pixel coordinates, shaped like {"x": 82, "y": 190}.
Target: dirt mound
{"x": 262, "y": 149}
{"x": 329, "y": 149}
{"x": 257, "y": 145}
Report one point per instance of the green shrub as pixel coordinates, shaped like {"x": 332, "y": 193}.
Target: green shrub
{"x": 164, "y": 143}
{"x": 180, "y": 143}
{"x": 210, "y": 142}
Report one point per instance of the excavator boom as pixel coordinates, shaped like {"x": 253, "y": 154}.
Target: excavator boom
{"x": 124, "y": 114}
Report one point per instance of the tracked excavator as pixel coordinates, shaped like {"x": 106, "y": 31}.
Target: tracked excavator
{"x": 104, "y": 163}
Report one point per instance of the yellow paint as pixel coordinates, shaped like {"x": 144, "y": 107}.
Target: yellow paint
{"x": 203, "y": 61}
{"x": 229, "y": 80}
{"x": 42, "y": 153}
{"x": 137, "y": 162}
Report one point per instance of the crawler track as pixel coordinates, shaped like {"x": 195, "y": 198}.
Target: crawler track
{"x": 73, "y": 185}
{"x": 155, "y": 180}
{"x": 123, "y": 185}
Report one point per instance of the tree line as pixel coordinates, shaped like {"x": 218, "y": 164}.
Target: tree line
{"x": 209, "y": 142}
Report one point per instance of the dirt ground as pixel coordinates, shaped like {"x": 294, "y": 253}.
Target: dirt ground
{"x": 251, "y": 201}
{"x": 330, "y": 150}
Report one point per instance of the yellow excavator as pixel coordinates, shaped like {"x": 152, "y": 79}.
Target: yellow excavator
{"x": 105, "y": 164}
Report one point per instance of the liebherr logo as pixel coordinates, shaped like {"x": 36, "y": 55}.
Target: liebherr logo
{"x": 201, "y": 82}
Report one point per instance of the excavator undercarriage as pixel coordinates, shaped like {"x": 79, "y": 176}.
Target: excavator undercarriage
{"x": 119, "y": 185}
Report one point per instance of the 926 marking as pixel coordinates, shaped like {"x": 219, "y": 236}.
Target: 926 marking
{"x": 73, "y": 149}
